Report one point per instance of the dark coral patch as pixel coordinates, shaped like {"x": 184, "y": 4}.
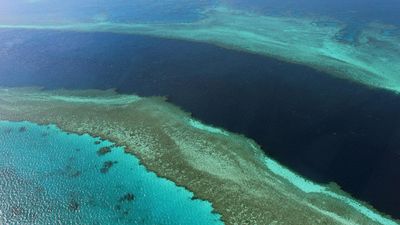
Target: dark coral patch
{"x": 107, "y": 165}
{"x": 97, "y": 142}
{"x": 128, "y": 151}
{"x": 39, "y": 189}
{"x": 16, "y": 211}
{"x": 104, "y": 150}
{"x": 22, "y": 129}
{"x": 73, "y": 205}
{"x": 128, "y": 197}
{"x": 7, "y": 130}
{"x": 75, "y": 174}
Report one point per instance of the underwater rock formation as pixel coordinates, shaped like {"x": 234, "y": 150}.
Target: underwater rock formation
{"x": 107, "y": 166}
{"x": 103, "y": 150}
{"x": 127, "y": 197}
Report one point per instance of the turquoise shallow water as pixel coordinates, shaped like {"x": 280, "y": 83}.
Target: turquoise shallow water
{"x": 51, "y": 177}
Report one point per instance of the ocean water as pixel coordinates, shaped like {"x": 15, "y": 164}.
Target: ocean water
{"x": 325, "y": 128}
{"x": 322, "y": 127}
{"x": 149, "y": 11}
{"x": 48, "y": 176}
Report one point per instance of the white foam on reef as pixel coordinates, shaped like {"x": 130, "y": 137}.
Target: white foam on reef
{"x": 201, "y": 126}
{"x": 99, "y": 100}
{"x": 301, "y": 183}
{"x": 310, "y": 187}
{"x": 373, "y": 61}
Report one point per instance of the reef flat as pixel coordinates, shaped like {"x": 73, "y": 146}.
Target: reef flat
{"x": 373, "y": 59}
{"x": 229, "y": 170}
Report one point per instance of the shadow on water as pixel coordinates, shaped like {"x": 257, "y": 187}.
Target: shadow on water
{"x": 324, "y": 128}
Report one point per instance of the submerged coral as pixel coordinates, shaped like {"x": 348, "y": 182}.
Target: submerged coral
{"x": 229, "y": 170}
{"x": 363, "y": 57}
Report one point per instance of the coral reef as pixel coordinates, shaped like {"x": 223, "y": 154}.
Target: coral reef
{"x": 229, "y": 170}
{"x": 369, "y": 56}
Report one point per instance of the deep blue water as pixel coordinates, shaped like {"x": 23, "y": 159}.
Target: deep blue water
{"x": 50, "y": 177}
{"x": 325, "y": 128}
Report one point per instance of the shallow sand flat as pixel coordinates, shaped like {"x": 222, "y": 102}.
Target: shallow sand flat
{"x": 227, "y": 169}
{"x": 373, "y": 60}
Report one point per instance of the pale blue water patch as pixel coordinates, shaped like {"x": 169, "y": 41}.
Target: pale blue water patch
{"x": 122, "y": 11}
{"x": 48, "y": 176}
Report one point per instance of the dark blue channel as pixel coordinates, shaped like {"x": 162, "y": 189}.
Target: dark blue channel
{"x": 324, "y": 128}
